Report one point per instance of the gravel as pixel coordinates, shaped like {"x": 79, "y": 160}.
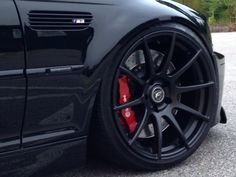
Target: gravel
{"x": 217, "y": 155}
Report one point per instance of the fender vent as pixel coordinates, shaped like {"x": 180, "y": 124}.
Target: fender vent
{"x": 59, "y": 20}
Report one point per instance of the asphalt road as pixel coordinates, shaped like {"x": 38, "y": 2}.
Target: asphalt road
{"x": 217, "y": 155}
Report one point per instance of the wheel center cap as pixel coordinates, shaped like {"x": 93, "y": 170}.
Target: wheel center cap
{"x": 157, "y": 94}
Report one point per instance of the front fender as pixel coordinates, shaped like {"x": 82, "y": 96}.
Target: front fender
{"x": 115, "y": 22}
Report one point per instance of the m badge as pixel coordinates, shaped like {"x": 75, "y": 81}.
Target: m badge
{"x": 78, "y": 21}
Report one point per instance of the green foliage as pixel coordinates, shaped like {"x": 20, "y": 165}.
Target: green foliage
{"x": 217, "y": 11}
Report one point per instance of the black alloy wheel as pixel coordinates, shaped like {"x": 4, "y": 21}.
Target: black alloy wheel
{"x": 172, "y": 83}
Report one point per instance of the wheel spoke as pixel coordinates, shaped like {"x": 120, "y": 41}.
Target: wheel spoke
{"x": 132, "y": 75}
{"x": 158, "y": 132}
{"x": 170, "y": 55}
{"x": 184, "y": 89}
{"x": 187, "y": 65}
{"x": 129, "y": 104}
{"x": 192, "y": 111}
{"x": 175, "y": 124}
{"x": 150, "y": 66}
{"x": 141, "y": 127}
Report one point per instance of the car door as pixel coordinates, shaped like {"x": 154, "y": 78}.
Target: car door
{"x": 58, "y": 101}
{"x": 12, "y": 79}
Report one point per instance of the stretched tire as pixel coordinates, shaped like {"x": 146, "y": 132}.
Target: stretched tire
{"x": 172, "y": 102}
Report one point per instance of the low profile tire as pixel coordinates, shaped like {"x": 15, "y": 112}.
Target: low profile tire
{"x": 173, "y": 87}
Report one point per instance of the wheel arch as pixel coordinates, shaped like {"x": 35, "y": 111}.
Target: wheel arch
{"x": 110, "y": 59}
{"x": 106, "y": 61}
{"x": 96, "y": 65}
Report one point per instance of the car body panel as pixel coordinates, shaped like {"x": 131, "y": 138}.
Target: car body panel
{"x": 220, "y": 60}
{"x": 56, "y": 85}
{"x": 12, "y": 78}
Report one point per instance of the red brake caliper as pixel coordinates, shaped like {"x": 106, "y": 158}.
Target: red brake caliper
{"x": 127, "y": 115}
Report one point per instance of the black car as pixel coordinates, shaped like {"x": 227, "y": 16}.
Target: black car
{"x": 135, "y": 82}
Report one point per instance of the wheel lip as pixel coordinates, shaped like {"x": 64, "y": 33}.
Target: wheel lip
{"x": 127, "y": 54}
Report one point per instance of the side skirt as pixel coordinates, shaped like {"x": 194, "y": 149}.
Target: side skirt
{"x": 45, "y": 159}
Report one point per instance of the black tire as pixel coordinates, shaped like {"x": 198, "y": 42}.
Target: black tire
{"x": 108, "y": 138}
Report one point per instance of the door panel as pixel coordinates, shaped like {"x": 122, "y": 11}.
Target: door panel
{"x": 12, "y": 80}
{"x": 58, "y": 94}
